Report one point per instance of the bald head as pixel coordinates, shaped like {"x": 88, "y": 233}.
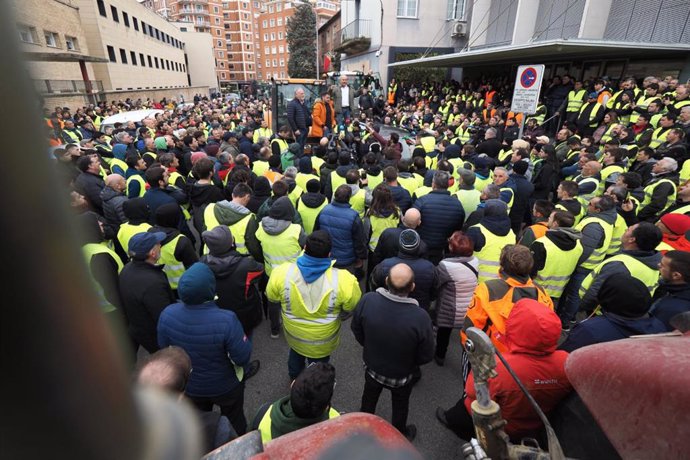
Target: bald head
{"x": 168, "y": 368}
{"x": 116, "y": 182}
{"x": 591, "y": 168}
{"x": 400, "y": 280}
{"x": 412, "y": 218}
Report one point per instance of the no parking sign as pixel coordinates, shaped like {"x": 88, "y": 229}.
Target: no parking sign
{"x": 527, "y": 88}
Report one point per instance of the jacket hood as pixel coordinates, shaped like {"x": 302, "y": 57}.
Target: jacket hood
{"x": 224, "y": 265}
{"x": 312, "y": 268}
{"x": 496, "y": 218}
{"x": 342, "y": 170}
{"x": 635, "y": 326}
{"x": 120, "y": 151}
{"x": 374, "y": 170}
{"x": 136, "y": 211}
{"x": 565, "y": 238}
{"x": 200, "y": 194}
{"x": 108, "y": 194}
{"x": 262, "y": 187}
{"x": 650, "y": 258}
{"x": 229, "y": 213}
{"x": 312, "y": 200}
{"x": 197, "y": 285}
{"x": 532, "y": 328}
{"x": 170, "y": 232}
{"x": 273, "y": 226}
{"x": 90, "y": 230}
{"x": 284, "y": 420}
{"x": 168, "y": 215}
{"x": 305, "y": 166}
{"x": 608, "y": 216}
{"x": 282, "y": 209}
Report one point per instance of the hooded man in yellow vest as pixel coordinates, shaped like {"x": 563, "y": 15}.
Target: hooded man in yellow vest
{"x": 314, "y": 298}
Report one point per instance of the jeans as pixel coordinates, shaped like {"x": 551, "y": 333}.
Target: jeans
{"x": 302, "y": 139}
{"x": 569, "y": 302}
{"x": 297, "y": 363}
{"x": 231, "y": 405}
{"x": 344, "y": 113}
{"x": 400, "y": 398}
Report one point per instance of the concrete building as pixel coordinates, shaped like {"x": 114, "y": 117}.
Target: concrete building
{"x": 81, "y": 51}
{"x": 583, "y": 38}
{"x": 376, "y": 32}
{"x": 199, "y": 57}
{"x": 273, "y": 31}
{"x": 329, "y": 40}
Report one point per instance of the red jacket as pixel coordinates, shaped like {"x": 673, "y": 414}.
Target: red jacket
{"x": 532, "y": 333}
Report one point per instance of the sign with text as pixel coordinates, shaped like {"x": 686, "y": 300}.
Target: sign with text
{"x": 527, "y": 88}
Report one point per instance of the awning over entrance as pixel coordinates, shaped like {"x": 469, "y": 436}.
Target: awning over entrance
{"x": 551, "y": 50}
{"x": 61, "y": 57}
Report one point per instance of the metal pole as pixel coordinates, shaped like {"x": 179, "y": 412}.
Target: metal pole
{"x": 316, "y": 26}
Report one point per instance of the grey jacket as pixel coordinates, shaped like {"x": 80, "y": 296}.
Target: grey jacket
{"x": 455, "y": 284}
{"x": 593, "y": 234}
{"x": 112, "y": 207}
{"x": 338, "y": 100}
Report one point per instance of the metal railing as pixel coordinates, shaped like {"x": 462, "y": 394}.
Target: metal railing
{"x": 360, "y": 28}
{"x": 66, "y": 86}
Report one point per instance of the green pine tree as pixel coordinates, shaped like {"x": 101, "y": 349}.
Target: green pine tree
{"x": 301, "y": 38}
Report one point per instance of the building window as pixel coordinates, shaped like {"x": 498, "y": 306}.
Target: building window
{"x": 133, "y": 57}
{"x": 141, "y": 60}
{"x": 249, "y": 47}
{"x": 280, "y": 35}
{"x": 143, "y": 27}
{"x": 279, "y": 21}
{"x": 167, "y": 64}
{"x": 231, "y": 66}
{"x": 101, "y": 8}
{"x": 264, "y": 23}
{"x": 221, "y": 54}
{"x": 217, "y": 31}
{"x": 407, "y": 8}
{"x": 455, "y": 9}
{"x": 268, "y": 63}
{"x": 111, "y": 54}
{"x": 220, "y": 43}
{"x": 273, "y": 36}
{"x": 270, "y": 8}
{"x": 282, "y": 74}
{"x": 71, "y": 43}
{"x": 226, "y": 15}
{"x": 28, "y": 34}
{"x": 215, "y": 9}
{"x": 273, "y": 50}
{"x": 282, "y": 62}
{"x": 222, "y": 64}
{"x": 279, "y": 7}
{"x": 281, "y": 49}
{"x": 113, "y": 12}
{"x": 135, "y": 23}
{"x": 245, "y": 26}
{"x": 265, "y": 37}
{"x": 249, "y": 67}
{"x": 275, "y": 63}
{"x": 158, "y": 34}
{"x": 150, "y": 60}
{"x": 52, "y": 39}
{"x": 222, "y": 75}
{"x": 125, "y": 19}
{"x": 123, "y": 56}
{"x": 272, "y": 22}
{"x": 155, "y": 60}
{"x": 267, "y": 50}
{"x": 218, "y": 21}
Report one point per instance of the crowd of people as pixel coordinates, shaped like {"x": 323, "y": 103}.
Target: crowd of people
{"x": 200, "y": 221}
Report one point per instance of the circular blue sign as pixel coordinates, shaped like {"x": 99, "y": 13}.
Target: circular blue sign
{"x": 528, "y": 77}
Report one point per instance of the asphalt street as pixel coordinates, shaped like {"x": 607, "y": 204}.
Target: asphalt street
{"x": 439, "y": 386}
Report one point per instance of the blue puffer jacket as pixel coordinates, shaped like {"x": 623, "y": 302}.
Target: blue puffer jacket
{"x": 442, "y": 214}
{"x": 212, "y": 337}
{"x": 345, "y": 227}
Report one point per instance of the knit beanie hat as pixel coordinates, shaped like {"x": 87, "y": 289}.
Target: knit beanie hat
{"x": 119, "y": 151}
{"x": 409, "y": 241}
{"x": 168, "y": 215}
{"x": 313, "y": 186}
{"x": 678, "y": 224}
{"x": 218, "y": 240}
{"x": 305, "y": 166}
{"x": 197, "y": 285}
{"x": 520, "y": 167}
{"x": 495, "y": 207}
{"x": 160, "y": 143}
{"x": 282, "y": 209}
{"x": 624, "y": 295}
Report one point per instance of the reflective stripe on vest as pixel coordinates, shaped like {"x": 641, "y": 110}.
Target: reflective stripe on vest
{"x": 142, "y": 185}
{"x": 281, "y": 248}
{"x": 659, "y": 137}
{"x": 619, "y": 228}
{"x": 575, "y": 100}
{"x": 480, "y": 182}
{"x": 336, "y": 181}
{"x": 588, "y": 196}
{"x": 309, "y": 215}
{"x": 649, "y": 192}
{"x": 490, "y": 253}
{"x": 89, "y": 251}
{"x": 302, "y": 178}
{"x": 592, "y": 115}
{"x": 558, "y": 267}
{"x": 682, "y": 210}
{"x": 265, "y": 424}
{"x": 599, "y": 253}
{"x": 638, "y": 270}
{"x": 173, "y": 267}
{"x": 428, "y": 143}
{"x": 238, "y": 229}
{"x": 373, "y": 181}
{"x": 512, "y": 196}
{"x": 357, "y": 202}
{"x": 281, "y": 143}
{"x": 114, "y": 162}
{"x": 608, "y": 171}
{"x": 314, "y": 334}
{"x": 127, "y": 231}
{"x": 378, "y": 225}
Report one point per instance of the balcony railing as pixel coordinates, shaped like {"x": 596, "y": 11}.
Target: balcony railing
{"x": 193, "y": 1}
{"x": 354, "y": 37}
{"x": 66, "y": 86}
{"x": 194, "y": 12}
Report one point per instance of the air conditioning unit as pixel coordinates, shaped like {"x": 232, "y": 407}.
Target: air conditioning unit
{"x": 459, "y": 29}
